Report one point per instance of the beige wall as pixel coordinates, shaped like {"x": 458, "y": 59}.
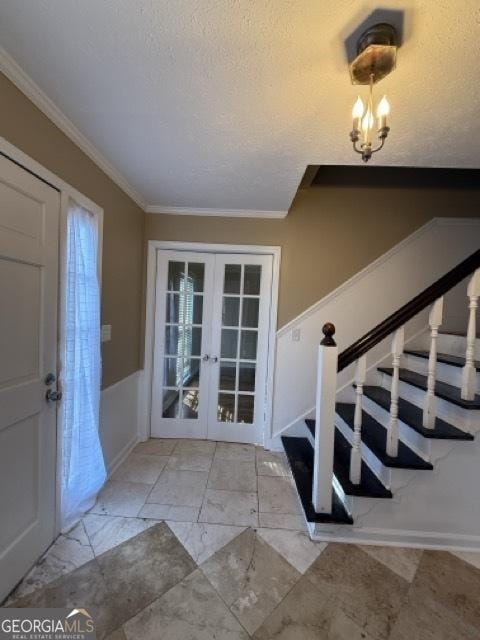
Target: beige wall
{"x": 329, "y": 234}
{"x": 22, "y": 124}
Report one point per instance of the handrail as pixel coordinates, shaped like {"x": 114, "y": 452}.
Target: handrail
{"x": 409, "y": 310}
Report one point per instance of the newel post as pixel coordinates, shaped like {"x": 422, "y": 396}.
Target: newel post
{"x": 469, "y": 379}
{"x": 324, "y": 418}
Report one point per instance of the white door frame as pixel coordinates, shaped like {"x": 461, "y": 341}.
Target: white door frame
{"x": 67, "y": 193}
{"x": 210, "y": 247}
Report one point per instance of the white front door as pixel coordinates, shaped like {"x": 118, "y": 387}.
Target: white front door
{"x": 212, "y": 320}
{"x": 29, "y": 219}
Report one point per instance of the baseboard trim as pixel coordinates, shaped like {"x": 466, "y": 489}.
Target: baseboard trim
{"x": 122, "y": 455}
{"x": 401, "y": 538}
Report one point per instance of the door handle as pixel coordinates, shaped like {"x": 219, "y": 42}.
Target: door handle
{"x": 206, "y": 358}
{"x": 214, "y": 359}
{"x": 53, "y": 396}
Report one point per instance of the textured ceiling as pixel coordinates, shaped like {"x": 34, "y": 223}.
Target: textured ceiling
{"x": 221, "y": 104}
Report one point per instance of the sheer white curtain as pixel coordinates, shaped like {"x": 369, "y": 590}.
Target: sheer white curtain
{"x": 82, "y": 465}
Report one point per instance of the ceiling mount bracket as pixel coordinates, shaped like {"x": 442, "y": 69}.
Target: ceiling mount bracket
{"x": 376, "y": 54}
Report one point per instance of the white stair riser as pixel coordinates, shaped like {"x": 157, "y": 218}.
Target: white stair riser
{"x": 467, "y": 420}
{"x": 445, "y": 372}
{"x": 419, "y": 444}
{"x": 454, "y": 345}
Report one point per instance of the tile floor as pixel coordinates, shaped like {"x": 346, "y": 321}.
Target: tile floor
{"x": 202, "y": 540}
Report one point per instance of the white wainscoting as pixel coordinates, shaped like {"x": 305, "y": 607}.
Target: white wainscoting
{"x": 361, "y": 303}
{"x": 119, "y": 419}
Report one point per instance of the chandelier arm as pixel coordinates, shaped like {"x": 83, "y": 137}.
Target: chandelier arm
{"x": 355, "y": 148}
{"x": 380, "y": 146}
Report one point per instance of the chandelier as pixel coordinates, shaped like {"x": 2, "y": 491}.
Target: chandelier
{"x": 376, "y": 57}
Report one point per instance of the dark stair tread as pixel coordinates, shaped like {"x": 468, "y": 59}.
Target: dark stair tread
{"x": 444, "y": 358}
{"x": 299, "y": 453}
{"x": 369, "y": 487}
{"x": 413, "y": 416}
{"x": 442, "y": 389}
{"x": 374, "y": 436}
{"x": 311, "y": 426}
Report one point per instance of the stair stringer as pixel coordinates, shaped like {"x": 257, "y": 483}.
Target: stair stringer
{"x": 430, "y": 509}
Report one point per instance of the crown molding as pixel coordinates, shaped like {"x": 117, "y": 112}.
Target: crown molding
{"x": 223, "y": 213}
{"x": 26, "y": 85}
{"x": 29, "y": 87}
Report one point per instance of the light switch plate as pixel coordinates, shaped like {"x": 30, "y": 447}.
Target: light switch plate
{"x": 106, "y": 332}
{"x": 296, "y": 333}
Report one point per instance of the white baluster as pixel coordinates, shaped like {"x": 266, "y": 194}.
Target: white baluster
{"x": 356, "y": 454}
{"x": 392, "y": 431}
{"x": 469, "y": 375}
{"x": 324, "y": 419}
{"x": 430, "y": 402}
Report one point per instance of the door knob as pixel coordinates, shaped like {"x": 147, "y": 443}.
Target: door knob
{"x": 214, "y": 359}
{"x": 206, "y": 358}
{"x": 53, "y": 396}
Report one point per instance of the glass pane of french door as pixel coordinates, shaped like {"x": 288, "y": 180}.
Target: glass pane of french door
{"x": 180, "y": 385}
{"x": 183, "y": 339}
{"x": 238, "y": 346}
{"x": 240, "y": 337}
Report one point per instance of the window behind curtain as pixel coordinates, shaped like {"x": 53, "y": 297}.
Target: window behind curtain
{"x": 82, "y": 464}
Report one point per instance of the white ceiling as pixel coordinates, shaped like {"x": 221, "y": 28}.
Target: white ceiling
{"x": 221, "y": 104}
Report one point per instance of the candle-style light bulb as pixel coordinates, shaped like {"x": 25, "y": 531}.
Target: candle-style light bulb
{"x": 367, "y": 124}
{"x": 357, "y": 113}
{"x": 383, "y": 109}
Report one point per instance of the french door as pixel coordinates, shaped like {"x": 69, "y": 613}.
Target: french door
{"x": 211, "y": 345}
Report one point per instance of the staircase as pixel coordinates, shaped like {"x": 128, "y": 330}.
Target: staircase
{"x": 389, "y": 423}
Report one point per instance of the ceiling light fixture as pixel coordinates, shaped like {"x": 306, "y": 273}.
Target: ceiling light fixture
{"x": 376, "y": 57}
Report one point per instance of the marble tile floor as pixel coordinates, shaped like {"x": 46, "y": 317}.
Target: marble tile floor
{"x": 149, "y": 566}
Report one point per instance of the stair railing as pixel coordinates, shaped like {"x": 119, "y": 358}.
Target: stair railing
{"x": 330, "y": 364}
